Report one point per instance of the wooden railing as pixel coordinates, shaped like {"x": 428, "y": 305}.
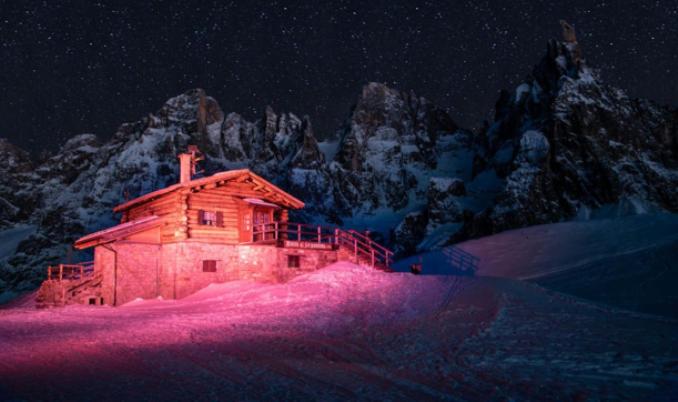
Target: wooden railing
{"x": 460, "y": 260}
{"x": 70, "y": 271}
{"x": 363, "y": 248}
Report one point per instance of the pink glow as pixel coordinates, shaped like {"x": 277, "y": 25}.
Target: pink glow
{"x": 339, "y": 333}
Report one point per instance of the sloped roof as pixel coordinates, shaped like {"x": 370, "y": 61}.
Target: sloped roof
{"x": 199, "y": 184}
{"x": 117, "y": 232}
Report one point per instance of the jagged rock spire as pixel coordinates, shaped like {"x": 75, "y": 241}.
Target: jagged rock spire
{"x": 202, "y": 113}
{"x": 570, "y": 39}
{"x": 569, "y": 34}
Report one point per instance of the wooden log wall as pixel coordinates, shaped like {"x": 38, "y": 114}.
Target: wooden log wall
{"x": 168, "y": 208}
{"x": 180, "y": 211}
{"x": 213, "y": 200}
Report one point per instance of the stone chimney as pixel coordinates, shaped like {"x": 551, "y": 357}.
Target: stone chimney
{"x": 184, "y": 168}
{"x": 187, "y": 163}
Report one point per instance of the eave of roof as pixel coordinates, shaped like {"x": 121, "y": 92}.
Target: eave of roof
{"x": 117, "y": 232}
{"x": 230, "y": 174}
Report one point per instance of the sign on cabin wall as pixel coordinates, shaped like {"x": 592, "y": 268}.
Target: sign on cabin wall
{"x": 308, "y": 244}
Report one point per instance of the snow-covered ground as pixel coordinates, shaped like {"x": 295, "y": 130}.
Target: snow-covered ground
{"x": 344, "y": 332}
{"x": 631, "y": 262}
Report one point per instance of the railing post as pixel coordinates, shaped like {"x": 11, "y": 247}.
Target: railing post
{"x": 336, "y": 236}
{"x": 49, "y": 272}
{"x": 298, "y": 232}
{"x": 61, "y": 272}
{"x": 275, "y": 234}
{"x": 372, "y": 258}
{"x": 355, "y": 249}
{"x": 319, "y": 235}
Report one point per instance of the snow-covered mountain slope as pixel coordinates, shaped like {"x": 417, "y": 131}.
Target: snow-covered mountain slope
{"x": 344, "y": 332}
{"x": 563, "y": 146}
{"x": 73, "y": 191}
{"x": 629, "y": 262}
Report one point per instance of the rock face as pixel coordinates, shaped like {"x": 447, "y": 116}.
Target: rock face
{"x": 389, "y": 140}
{"x": 562, "y": 145}
{"x": 566, "y": 145}
{"x": 16, "y": 186}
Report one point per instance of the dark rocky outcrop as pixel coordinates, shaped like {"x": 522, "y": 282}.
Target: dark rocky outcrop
{"x": 566, "y": 144}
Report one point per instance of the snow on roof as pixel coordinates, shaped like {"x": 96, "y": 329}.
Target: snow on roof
{"x": 230, "y": 174}
{"x": 116, "y": 232}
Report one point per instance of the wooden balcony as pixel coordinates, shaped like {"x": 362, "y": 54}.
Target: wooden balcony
{"x": 300, "y": 235}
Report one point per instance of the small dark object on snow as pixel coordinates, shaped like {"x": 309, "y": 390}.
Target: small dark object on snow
{"x": 416, "y": 268}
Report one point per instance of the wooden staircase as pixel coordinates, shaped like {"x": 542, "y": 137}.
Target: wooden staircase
{"x": 70, "y": 284}
{"x": 350, "y": 244}
{"x": 362, "y": 250}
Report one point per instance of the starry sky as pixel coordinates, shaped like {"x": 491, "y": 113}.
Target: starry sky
{"x": 86, "y": 66}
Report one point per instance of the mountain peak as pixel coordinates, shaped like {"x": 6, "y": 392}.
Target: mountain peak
{"x": 377, "y": 89}
{"x": 13, "y": 157}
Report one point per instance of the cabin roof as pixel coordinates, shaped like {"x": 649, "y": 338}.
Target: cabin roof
{"x": 221, "y": 177}
{"x": 117, "y": 232}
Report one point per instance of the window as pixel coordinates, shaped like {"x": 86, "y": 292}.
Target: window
{"x": 209, "y": 266}
{"x": 211, "y": 218}
{"x": 293, "y": 261}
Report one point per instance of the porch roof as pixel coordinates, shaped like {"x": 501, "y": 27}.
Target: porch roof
{"x": 117, "y": 232}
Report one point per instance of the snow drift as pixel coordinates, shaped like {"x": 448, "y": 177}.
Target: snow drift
{"x": 630, "y": 262}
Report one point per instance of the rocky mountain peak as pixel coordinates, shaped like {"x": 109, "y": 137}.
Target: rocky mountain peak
{"x": 563, "y": 145}
{"x": 566, "y": 145}
{"x": 384, "y": 116}
{"x": 82, "y": 141}
{"x": 16, "y": 183}
{"x": 14, "y": 159}
{"x": 308, "y": 156}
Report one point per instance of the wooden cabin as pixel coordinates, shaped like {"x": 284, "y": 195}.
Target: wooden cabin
{"x": 172, "y": 242}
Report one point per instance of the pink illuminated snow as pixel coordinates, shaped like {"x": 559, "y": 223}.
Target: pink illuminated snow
{"x": 344, "y": 332}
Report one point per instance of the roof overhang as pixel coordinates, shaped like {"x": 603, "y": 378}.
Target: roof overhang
{"x": 117, "y": 232}
{"x": 261, "y": 203}
{"x": 267, "y": 188}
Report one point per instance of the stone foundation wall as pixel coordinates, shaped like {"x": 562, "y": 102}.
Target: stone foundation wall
{"x": 175, "y": 270}
{"x": 182, "y": 266}
{"x": 137, "y": 273}
{"x": 309, "y": 260}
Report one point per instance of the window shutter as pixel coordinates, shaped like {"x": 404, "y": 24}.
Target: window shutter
{"x": 209, "y": 266}
{"x": 293, "y": 261}
{"x": 201, "y": 217}
{"x": 220, "y": 219}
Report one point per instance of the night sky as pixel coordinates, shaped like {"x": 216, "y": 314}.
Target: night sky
{"x": 73, "y": 67}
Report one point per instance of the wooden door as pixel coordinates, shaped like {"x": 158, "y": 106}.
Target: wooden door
{"x": 245, "y": 212}
{"x": 262, "y": 218}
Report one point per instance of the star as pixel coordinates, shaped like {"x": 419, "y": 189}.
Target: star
{"x": 100, "y": 64}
